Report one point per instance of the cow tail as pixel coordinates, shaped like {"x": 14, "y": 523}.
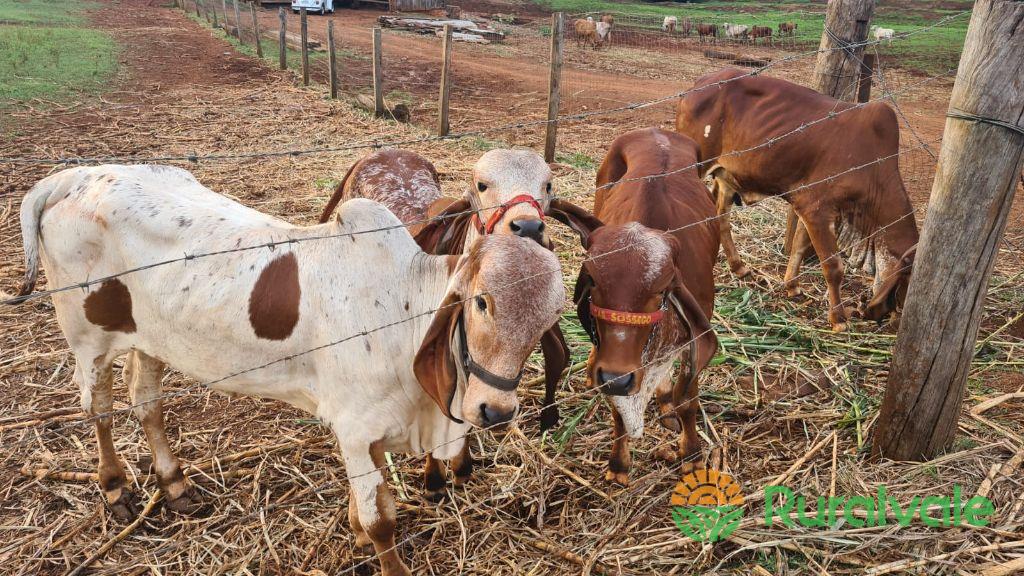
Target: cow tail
{"x": 31, "y": 213}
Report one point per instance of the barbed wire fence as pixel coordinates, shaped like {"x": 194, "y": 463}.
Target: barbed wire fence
{"x": 618, "y": 108}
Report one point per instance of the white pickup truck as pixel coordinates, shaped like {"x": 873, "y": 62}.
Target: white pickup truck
{"x": 317, "y": 6}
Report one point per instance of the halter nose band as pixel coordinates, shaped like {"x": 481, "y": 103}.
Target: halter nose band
{"x": 499, "y": 213}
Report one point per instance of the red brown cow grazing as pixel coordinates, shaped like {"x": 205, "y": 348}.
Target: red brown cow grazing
{"x": 647, "y": 289}
{"x": 707, "y": 31}
{"x": 841, "y": 170}
{"x": 685, "y": 26}
{"x": 787, "y": 29}
{"x": 760, "y": 32}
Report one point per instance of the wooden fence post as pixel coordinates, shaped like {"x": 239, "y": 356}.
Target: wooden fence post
{"x": 332, "y": 61}
{"x": 446, "y": 81}
{"x": 304, "y": 33}
{"x": 867, "y": 72}
{"x": 213, "y": 8}
{"x": 378, "y": 75}
{"x": 256, "y": 29}
{"x": 238, "y": 23}
{"x": 981, "y": 159}
{"x": 554, "y": 85}
{"x": 282, "y": 46}
{"x": 838, "y": 68}
{"x": 197, "y": 9}
{"x": 224, "y": 9}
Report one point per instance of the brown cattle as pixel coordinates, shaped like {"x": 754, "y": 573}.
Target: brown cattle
{"x": 685, "y": 26}
{"x": 787, "y": 29}
{"x": 840, "y": 170}
{"x": 707, "y": 31}
{"x": 646, "y": 290}
{"x": 760, "y": 32}
{"x": 586, "y": 32}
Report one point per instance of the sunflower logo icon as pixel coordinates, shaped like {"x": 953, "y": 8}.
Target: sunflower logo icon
{"x": 707, "y": 505}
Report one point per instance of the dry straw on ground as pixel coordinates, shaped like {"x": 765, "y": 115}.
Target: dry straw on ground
{"x": 791, "y": 403}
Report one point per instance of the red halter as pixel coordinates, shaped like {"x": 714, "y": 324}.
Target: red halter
{"x": 501, "y": 210}
{"x": 626, "y": 318}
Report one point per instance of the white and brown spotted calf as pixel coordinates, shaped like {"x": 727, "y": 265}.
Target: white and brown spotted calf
{"x": 407, "y": 184}
{"x": 405, "y": 388}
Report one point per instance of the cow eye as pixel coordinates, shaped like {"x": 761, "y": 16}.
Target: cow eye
{"x": 481, "y": 186}
{"x": 481, "y": 303}
{"x": 549, "y": 187}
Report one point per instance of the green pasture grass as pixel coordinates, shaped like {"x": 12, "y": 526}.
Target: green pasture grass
{"x": 53, "y": 63}
{"x": 43, "y": 12}
{"x": 932, "y": 52}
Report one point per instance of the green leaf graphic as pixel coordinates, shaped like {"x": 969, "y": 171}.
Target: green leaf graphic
{"x": 707, "y": 523}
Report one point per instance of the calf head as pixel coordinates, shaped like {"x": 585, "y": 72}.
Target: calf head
{"x": 510, "y": 194}
{"x": 631, "y": 300}
{"x": 504, "y": 294}
{"x": 892, "y": 278}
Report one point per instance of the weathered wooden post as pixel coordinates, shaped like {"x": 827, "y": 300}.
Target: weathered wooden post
{"x": 213, "y": 8}
{"x": 981, "y": 159}
{"x": 282, "y": 46}
{"x": 256, "y": 29}
{"x": 304, "y": 33}
{"x": 867, "y": 72}
{"x": 446, "y": 81}
{"x": 838, "y": 68}
{"x": 554, "y": 85}
{"x": 332, "y": 61}
{"x": 378, "y": 75}
{"x": 224, "y": 9}
{"x": 238, "y": 23}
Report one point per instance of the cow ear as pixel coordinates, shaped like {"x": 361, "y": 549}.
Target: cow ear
{"x": 894, "y": 289}
{"x": 583, "y": 222}
{"x": 556, "y": 359}
{"x": 434, "y": 365}
{"x": 580, "y": 296}
{"x": 339, "y": 192}
{"x": 703, "y": 343}
{"x": 446, "y": 231}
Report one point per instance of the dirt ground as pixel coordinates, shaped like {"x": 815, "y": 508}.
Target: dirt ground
{"x": 274, "y": 483}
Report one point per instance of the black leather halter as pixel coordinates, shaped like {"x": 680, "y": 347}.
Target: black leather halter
{"x": 482, "y": 374}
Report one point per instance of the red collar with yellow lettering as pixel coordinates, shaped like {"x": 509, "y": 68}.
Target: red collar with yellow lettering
{"x": 501, "y": 210}
{"x": 626, "y": 318}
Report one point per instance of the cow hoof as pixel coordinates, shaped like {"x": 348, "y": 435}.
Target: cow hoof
{"x": 363, "y": 540}
{"x": 125, "y": 508}
{"x": 461, "y": 480}
{"x": 839, "y": 327}
{"x": 548, "y": 418}
{"x": 690, "y": 467}
{"x": 795, "y": 293}
{"x": 671, "y": 422}
{"x": 435, "y": 496}
{"x": 188, "y": 504}
{"x": 667, "y": 454}
{"x": 620, "y": 478}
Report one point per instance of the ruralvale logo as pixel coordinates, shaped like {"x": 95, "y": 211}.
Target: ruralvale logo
{"x": 707, "y": 505}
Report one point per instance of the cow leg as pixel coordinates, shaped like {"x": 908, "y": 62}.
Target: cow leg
{"x": 798, "y": 251}
{"x": 362, "y": 538}
{"x": 823, "y": 237}
{"x": 375, "y": 507}
{"x": 95, "y": 382}
{"x": 142, "y": 374}
{"x": 433, "y": 479}
{"x": 686, "y": 412}
{"x": 462, "y": 465}
{"x": 724, "y": 197}
{"x": 620, "y": 460}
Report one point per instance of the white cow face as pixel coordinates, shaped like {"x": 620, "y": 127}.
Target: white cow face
{"x": 512, "y": 190}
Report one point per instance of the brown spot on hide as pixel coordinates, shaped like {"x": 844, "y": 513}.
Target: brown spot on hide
{"x": 110, "y": 307}
{"x": 274, "y": 301}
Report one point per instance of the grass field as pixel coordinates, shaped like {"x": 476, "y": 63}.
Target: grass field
{"x": 47, "y": 52}
{"x": 932, "y": 52}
